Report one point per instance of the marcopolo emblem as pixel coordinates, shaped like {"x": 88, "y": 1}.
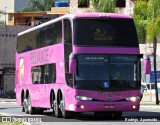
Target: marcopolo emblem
{"x": 109, "y": 97}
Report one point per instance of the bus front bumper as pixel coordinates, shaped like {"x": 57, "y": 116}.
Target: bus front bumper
{"x": 90, "y": 106}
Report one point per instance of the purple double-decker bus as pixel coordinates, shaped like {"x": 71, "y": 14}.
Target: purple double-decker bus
{"x": 88, "y": 62}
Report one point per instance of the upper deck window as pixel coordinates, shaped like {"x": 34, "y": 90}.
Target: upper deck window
{"x": 105, "y": 32}
{"x": 42, "y": 37}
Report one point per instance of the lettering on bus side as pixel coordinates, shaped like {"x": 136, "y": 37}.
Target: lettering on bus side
{"x": 41, "y": 56}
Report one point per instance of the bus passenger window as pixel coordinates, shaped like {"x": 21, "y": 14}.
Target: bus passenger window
{"x": 49, "y": 35}
{"x": 52, "y": 73}
{"x": 36, "y": 75}
{"x": 46, "y": 78}
{"x": 57, "y": 33}
{"x": 44, "y": 74}
{"x": 67, "y": 32}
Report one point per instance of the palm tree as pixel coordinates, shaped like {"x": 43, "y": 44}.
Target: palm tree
{"x": 153, "y": 31}
{"x": 38, "y": 5}
{"x": 140, "y": 18}
{"x": 148, "y": 27}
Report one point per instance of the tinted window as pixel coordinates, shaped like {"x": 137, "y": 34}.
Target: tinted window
{"x": 68, "y": 50}
{"x": 45, "y": 36}
{"x": 67, "y": 31}
{"x": 107, "y": 72}
{"x": 44, "y": 74}
{"x": 105, "y": 32}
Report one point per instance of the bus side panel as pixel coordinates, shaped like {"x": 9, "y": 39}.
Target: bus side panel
{"x": 42, "y": 91}
{"x": 17, "y": 80}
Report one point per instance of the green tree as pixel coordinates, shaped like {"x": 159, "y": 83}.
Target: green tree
{"x": 152, "y": 32}
{"x": 104, "y": 5}
{"x": 1, "y": 13}
{"x": 147, "y": 18}
{"x": 140, "y": 18}
{"x": 38, "y": 5}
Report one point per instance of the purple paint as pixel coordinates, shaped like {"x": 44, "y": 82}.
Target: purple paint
{"x": 147, "y": 66}
{"x": 105, "y": 50}
{"x": 72, "y": 66}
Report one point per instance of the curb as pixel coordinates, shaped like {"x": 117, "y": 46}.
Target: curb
{"x": 8, "y": 103}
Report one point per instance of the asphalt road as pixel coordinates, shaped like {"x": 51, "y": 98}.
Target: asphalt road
{"x": 146, "y": 114}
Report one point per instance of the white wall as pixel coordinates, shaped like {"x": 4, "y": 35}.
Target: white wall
{"x": 20, "y": 5}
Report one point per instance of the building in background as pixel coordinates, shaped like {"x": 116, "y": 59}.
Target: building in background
{"x": 8, "y": 38}
{"x": 62, "y": 7}
{"x": 11, "y": 6}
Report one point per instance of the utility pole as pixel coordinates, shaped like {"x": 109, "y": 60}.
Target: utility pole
{"x": 155, "y": 69}
{"x": 5, "y": 48}
{"x": 5, "y": 15}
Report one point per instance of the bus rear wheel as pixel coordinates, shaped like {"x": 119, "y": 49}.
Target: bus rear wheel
{"x": 57, "y": 111}
{"x": 25, "y": 106}
{"x": 65, "y": 114}
{"x": 31, "y": 110}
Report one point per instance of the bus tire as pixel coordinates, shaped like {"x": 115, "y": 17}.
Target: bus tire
{"x": 58, "y": 112}
{"x": 22, "y": 101}
{"x": 31, "y": 110}
{"x": 25, "y": 105}
{"x": 65, "y": 114}
{"x": 23, "y": 110}
{"x": 53, "y": 104}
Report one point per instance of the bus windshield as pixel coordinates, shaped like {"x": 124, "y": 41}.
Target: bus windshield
{"x": 102, "y": 72}
{"x": 105, "y": 32}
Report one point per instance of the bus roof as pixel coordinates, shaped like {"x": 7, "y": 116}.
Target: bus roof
{"x": 78, "y": 15}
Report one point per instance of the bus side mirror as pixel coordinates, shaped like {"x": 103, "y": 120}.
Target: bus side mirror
{"x": 147, "y": 65}
{"x": 72, "y": 64}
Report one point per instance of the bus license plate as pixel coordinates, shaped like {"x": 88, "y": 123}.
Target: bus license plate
{"x": 109, "y": 106}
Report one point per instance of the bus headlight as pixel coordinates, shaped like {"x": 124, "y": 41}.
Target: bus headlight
{"x": 133, "y": 99}
{"x": 84, "y": 98}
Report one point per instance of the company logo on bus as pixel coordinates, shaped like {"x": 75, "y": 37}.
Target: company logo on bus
{"x": 100, "y": 33}
{"x": 21, "y": 68}
{"x": 109, "y": 98}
